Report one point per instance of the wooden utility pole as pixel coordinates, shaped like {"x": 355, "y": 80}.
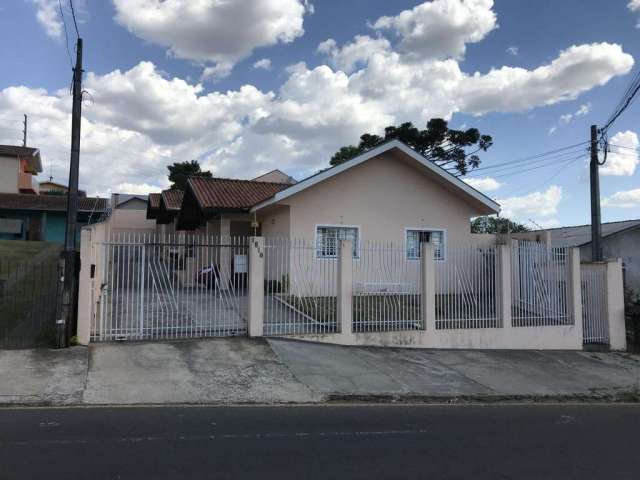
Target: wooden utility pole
{"x": 596, "y": 225}
{"x": 24, "y": 132}
{"x": 70, "y": 255}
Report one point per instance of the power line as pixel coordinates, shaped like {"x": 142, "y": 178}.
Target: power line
{"x": 66, "y": 34}
{"x": 73, "y": 14}
{"x": 625, "y": 101}
{"x": 518, "y": 165}
{"x": 532, "y": 157}
{"x": 538, "y": 167}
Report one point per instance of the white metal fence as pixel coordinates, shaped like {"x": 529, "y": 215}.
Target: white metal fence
{"x": 595, "y": 326}
{"x": 171, "y": 286}
{"x": 386, "y": 289}
{"x": 467, "y": 293}
{"x": 539, "y": 285}
{"x": 300, "y": 288}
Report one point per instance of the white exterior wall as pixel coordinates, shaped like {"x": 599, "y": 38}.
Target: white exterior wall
{"x": 127, "y": 220}
{"x": 9, "y": 170}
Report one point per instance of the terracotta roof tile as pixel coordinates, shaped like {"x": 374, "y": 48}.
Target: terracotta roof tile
{"x": 154, "y": 200}
{"x": 172, "y": 199}
{"x": 51, "y": 203}
{"x": 232, "y": 194}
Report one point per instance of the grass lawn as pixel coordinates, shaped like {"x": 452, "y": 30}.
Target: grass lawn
{"x": 16, "y": 253}
{"x": 28, "y": 297}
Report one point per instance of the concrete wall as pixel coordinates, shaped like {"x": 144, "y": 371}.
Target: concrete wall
{"x": 9, "y": 170}
{"x": 125, "y": 220}
{"x": 625, "y": 246}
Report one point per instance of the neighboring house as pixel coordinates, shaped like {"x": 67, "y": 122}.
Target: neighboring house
{"x": 619, "y": 240}
{"x": 390, "y": 193}
{"x": 18, "y": 168}
{"x": 26, "y": 213}
{"x": 275, "y": 176}
{"x": 164, "y": 208}
{"x": 128, "y": 213}
{"x": 43, "y": 217}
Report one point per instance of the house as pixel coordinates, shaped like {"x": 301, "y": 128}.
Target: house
{"x": 619, "y": 240}
{"x": 389, "y": 193}
{"x": 275, "y": 176}
{"x": 26, "y": 213}
{"x": 128, "y": 213}
{"x": 18, "y": 168}
{"x": 43, "y": 217}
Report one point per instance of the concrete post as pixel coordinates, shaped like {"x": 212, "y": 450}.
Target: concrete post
{"x": 225, "y": 252}
{"x": 86, "y": 287}
{"x": 503, "y": 283}
{"x": 574, "y": 292}
{"x": 256, "y": 287}
{"x": 615, "y": 306}
{"x": 345, "y": 286}
{"x": 427, "y": 287}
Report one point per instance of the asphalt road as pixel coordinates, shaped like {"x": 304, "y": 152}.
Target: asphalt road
{"x": 324, "y": 442}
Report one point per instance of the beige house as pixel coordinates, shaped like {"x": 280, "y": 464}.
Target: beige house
{"x": 390, "y": 193}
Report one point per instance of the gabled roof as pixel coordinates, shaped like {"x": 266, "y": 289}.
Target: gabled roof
{"x": 171, "y": 199}
{"x": 31, "y": 155}
{"x": 275, "y": 176}
{"x": 153, "y": 205}
{"x": 580, "y": 235}
{"x": 50, "y": 203}
{"x": 466, "y": 190}
{"x": 231, "y": 194}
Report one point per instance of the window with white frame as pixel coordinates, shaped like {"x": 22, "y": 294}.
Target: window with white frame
{"x": 327, "y": 237}
{"x": 416, "y": 237}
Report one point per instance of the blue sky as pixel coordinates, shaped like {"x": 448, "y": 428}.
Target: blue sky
{"x": 169, "y": 84}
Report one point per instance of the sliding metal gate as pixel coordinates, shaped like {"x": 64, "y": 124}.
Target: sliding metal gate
{"x": 595, "y": 326}
{"x": 172, "y": 286}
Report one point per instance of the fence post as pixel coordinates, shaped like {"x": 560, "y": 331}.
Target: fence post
{"x": 615, "y": 306}
{"x": 504, "y": 284}
{"x": 255, "y": 324}
{"x": 428, "y": 287}
{"x": 85, "y": 293}
{"x": 574, "y": 299}
{"x": 345, "y": 286}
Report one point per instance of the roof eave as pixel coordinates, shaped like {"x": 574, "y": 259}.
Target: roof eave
{"x": 491, "y": 205}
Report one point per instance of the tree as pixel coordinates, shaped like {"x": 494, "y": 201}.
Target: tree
{"x": 454, "y": 150}
{"x": 180, "y": 172}
{"x": 496, "y": 225}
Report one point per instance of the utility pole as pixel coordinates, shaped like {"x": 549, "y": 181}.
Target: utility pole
{"x": 596, "y": 226}
{"x": 70, "y": 256}
{"x": 24, "y": 132}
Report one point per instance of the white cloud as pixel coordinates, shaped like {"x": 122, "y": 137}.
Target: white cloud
{"x": 576, "y": 70}
{"x": 513, "y": 50}
{"x": 441, "y": 28}
{"x": 624, "y": 199}
{"x": 623, "y": 159}
{"x": 552, "y": 130}
{"x": 142, "y": 119}
{"x": 140, "y": 188}
{"x": 213, "y": 31}
{"x": 568, "y": 117}
{"x": 48, "y": 17}
{"x": 264, "y": 63}
{"x": 537, "y": 204}
{"x": 484, "y": 184}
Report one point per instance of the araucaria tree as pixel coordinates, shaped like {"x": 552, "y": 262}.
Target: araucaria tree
{"x": 496, "y": 225}
{"x": 454, "y": 150}
{"x": 180, "y": 172}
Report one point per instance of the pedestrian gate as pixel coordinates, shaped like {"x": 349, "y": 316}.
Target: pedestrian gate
{"x": 595, "y": 326}
{"x": 171, "y": 286}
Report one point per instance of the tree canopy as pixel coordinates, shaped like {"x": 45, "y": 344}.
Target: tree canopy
{"x": 180, "y": 172}
{"x": 496, "y": 225}
{"x": 453, "y": 150}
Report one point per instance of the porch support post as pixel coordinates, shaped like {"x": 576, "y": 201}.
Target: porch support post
{"x": 503, "y": 284}
{"x": 427, "y": 287}
{"x": 345, "y": 286}
{"x": 615, "y": 305}
{"x": 255, "y": 322}
{"x": 574, "y": 298}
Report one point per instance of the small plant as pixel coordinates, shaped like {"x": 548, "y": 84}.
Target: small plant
{"x": 73, "y": 341}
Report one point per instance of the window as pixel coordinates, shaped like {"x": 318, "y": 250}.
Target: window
{"x": 327, "y": 239}
{"x": 416, "y": 237}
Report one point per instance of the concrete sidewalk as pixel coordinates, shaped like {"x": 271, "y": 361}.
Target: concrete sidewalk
{"x": 243, "y": 370}
{"x": 363, "y": 372}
